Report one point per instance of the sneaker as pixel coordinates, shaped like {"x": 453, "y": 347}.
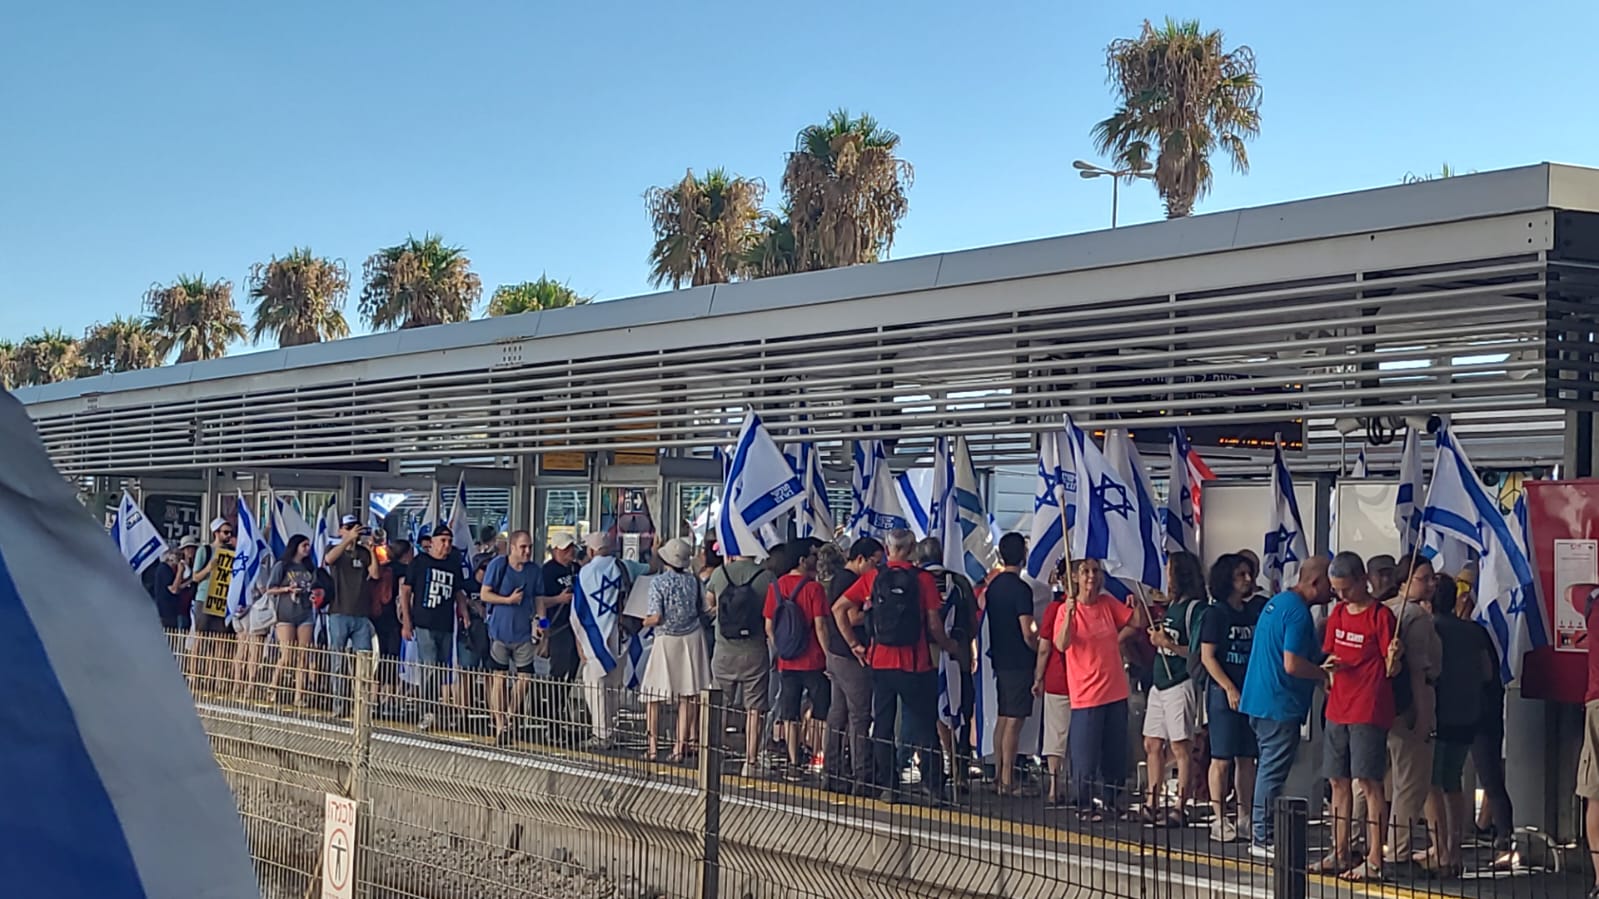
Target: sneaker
{"x": 1223, "y": 831}
{"x": 747, "y": 771}
{"x": 428, "y": 720}
{"x": 1262, "y": 851}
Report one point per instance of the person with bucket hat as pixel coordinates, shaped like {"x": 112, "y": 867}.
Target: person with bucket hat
{"x": 678, "y": 667}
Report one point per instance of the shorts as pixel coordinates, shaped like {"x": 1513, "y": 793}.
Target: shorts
{"x": 742, "y": 670}
{"x": 211, "y": 624}
{"x": 291, "y": 612}
{"x": 1014, "y": 692}
{"x": 1356, "y": 750}
{"x": 1588, "y": 762}
{"x": 809, "y": 683}
{"x": 388, "y": 636}
{"x": 503, "y": 656}
{"x": 1231, "y": 736}
{"x": 1448, "y": 764}
{"x": 1057, "y": 724}
{"x": 1171, "y": 713}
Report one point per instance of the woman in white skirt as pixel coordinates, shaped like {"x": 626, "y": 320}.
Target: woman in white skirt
{"x": 678, "y": 667}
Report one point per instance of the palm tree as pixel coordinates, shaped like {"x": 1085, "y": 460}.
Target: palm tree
{"x": 772, "y": 253}
{"x": 194, "y": 316}
{"x": 1448, "y": 171}
{"x": 299, "y": 299}
{"x": 122, "y": 344}
{"x": 419, "y": 283}
{"x": 48, "y": 357}
{"x": 703, "y": 226}
{"x": 846, "y": 191}
{"x": 8, "y": 365}
{"x": 533, "y": 296}
{"x": 1183, "y": 96}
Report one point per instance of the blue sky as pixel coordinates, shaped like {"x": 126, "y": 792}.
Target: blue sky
{"x": 147, "y": 140}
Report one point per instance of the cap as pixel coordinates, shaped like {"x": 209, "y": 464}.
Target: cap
{"x": 677, "y": 553}
{"x": 562, "y": 540}
{"x": 217, "y": 524}
{"x": 348, "y": 520}
{"x": 189, "y": 542}
{"x": 598, "y": 542}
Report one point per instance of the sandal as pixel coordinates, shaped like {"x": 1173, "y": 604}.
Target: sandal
{"x": 1330, "y": 865}
{"x": 1363, "y": 873}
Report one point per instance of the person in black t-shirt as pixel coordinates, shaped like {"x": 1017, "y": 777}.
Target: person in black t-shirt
{"x": 555, "y": 639}
{"x": 162, "y": 581}
{"x": 1013, "y": 652}
{"x": 432, "y": 599}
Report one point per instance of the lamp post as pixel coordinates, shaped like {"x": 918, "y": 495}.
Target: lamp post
{"x": 1089, "y": 170}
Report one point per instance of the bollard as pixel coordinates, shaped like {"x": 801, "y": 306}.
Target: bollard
{"x": 1289, "y": 870}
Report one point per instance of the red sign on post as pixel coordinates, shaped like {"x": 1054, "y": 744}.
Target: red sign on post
{"x": 1563, "y": 540}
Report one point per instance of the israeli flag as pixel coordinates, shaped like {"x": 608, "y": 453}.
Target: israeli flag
{"x": 814, "y": 517}
{"x": 327, "y": 530}
{"x": 1054, "y": 504}
{"x": 504, "y": 527}
{"x": 251, "y": 558}
{"x": 1360, "y": 469}
{"x": 1120, "y": 525}
{"x": 864, "y": 458}
{"x": 287, "y": 522}
{"x": 430, "y": 516}
{"x": 956, "y": 515}
{"x": 460, "y": 525}
{"x": 638, "y": 657}
{"x": 1458, "y": 508}
{"x": 883, "y": 510}
{"x": 1188, "y": 475}
{"x": 597, "y": 597}
{"x": 1286, "y": 547}
{"x": 135, "y": 536}
{"x": 913, "y": 491}
{"x": 380, "y": 505}
{"x": 950, "y": 696}
{"x": 100, "y": 744}
{"x": 1408, "y": 503}
{"x": 760, "y": 487}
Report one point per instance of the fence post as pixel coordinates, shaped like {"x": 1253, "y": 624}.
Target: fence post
{"x": 361, "y": 687}
{"x": 1291, "y": 823}
{"x": 712, "y": 727}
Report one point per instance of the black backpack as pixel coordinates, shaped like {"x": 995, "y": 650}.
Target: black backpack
{"x": 739, "y": 612}
{"x": 960, "y": 597}
{"x": 896, "y": 614}
{"x": 791, "y": 630}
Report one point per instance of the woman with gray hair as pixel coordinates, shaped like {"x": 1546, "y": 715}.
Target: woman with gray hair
{"x": 678, "y": 667}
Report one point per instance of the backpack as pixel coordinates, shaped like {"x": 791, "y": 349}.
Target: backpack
{"x": 791, "y": 630}
{"x": 961, "y": 598}
{"x": 896, "y": 613}
{"x": 739, "y": 609}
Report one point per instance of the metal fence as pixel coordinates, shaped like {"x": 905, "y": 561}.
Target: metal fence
{"x": 553, "y": 791}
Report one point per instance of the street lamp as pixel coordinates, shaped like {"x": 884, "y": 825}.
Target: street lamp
{"x": 1089, "y": 170}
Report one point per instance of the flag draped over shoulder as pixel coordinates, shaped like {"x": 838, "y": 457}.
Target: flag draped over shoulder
{"x": 135, "y": 536}
{"x": 1286, "y": 546}
{"x": 111, "y": 781}
{"x": 598, "y": 592}
{"x": 760, "y": 487}
{"x": 1458, "y": 509}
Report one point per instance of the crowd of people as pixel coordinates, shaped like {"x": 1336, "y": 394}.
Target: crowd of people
{"x": 870, "y": 661}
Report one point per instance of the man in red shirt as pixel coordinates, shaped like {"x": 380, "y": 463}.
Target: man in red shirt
{"x": 795, "y": 604}
{"x": 904, "y": 620}
{"x": 1362, "y": 654}
{"x": 1588, "y": 762}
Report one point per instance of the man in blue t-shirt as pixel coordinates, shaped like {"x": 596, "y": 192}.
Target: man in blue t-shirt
{"x": 1278, "y": 687}
{"x": 512, "y": 586}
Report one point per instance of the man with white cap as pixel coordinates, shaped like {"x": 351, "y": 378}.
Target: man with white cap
{"x": 599, "y": 592}
{"x": 557, "y": 642}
